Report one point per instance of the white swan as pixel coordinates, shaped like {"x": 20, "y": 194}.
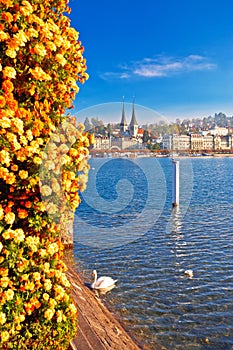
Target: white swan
{"x": 103, "y": 282}
{"x": 189, "y": 273}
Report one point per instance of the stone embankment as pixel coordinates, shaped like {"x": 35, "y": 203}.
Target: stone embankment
{"x": 97, "y": 327}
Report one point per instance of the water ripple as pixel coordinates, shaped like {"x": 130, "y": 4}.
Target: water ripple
{"x": 154, "y": 297}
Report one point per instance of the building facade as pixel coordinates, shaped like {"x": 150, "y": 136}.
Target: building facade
{"x": 197, "y": 142}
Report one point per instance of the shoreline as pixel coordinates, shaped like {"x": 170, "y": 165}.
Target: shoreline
{"x": 98, "y": 329}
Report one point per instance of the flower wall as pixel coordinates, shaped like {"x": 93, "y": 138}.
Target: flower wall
{"x": 43, "y": 165}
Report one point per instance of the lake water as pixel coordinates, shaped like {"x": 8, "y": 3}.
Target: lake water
{"x": 126, "y": 228}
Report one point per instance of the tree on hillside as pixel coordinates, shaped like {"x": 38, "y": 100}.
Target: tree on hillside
{"x": 145, "y": 137}
{"x": 88, "y": 125}
{"x": 41, "y": 58}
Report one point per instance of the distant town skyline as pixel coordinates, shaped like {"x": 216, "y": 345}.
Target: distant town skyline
{"x": 176, "y": 58}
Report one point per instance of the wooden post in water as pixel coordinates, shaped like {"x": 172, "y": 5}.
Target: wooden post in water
{"x": 175, "y": 183}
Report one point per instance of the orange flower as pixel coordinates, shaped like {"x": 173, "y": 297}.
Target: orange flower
{"x": 28, "y": 204}
{"x": 10, "y": 179}
{"x": 13, "y": 104}
{"x": 7, "y": 3}
{"x": 2, "y": 102}
{"x": 13, "y": 44}
{"x": 7, "y": 86}
{"x": 7, "y": 16}
{"x": 22, "y": 213}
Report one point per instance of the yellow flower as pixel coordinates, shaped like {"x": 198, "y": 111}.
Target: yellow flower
{"x": 29, "y": 135}
{"x": 46, "y": 266}
{"x": 33, "y": 243}
{"x": 29, "y": 285}
{"x": 4, "y": 336}
{"x": 31, "y": 32}
{"x": 23, "y": 174}
{"x": 60, "y": 59}
{"x": 59, "y": 291}
{"x": 72, "y": 308}
{"x": 19, "y": 125}
{"x": 33, "y": 182}
{"x": 37, "y": 160}
{"x": 59, "y": 315}
{"x": 52, "y": 26}
{"x": 3, "y": 36}
{"x": 63, "y": 149}
{"x": 51, "y": 208}
{"x": 9, "y": 294}
{"x": 5, "y": 122}
{"x": 19, "y": 235}
{"x": 2, "y": 318}
{"x": 11, "y": 53}
{"x": 19, "y": 318}
{"x": 4, "y": 282}
{"x": 21, "y": 37}
{"x": 45, "y": 190}
{"x": 5, "y": 157}
{"x": 49, "y": 314}
{"x": 26, "y": 9}
{"x": 1, "y": 246}
{"x": 10, "y": 218}
{"x": 36, "y": 276}
{"x": 53, "y": 248}
{"x": 40, "y": 49}
{"x": 1, "y": 212}
{"x": 23, "y": 140}
{"x": 52, "y": 302}
{"x": 47, "y": 284}
{"x": 24, "y": 277}
{"x": 46, "y": 296}
{"x": 51, "y": 46}
{"x": 58, "y": 40}
{"x": 8, "y": 234}
{"x": 9, "y": 72}
{"x": 39, "y": 74}
{"x": 72, "y": 33}
{"x": 64, "y": 281}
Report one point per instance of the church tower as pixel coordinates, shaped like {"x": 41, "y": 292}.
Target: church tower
{"x": 123, "y": 123}
{"x": 133, "y": 126}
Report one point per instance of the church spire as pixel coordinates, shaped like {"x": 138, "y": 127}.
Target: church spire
{"x": 133, "y": 124}
{"x": 123, "y": 123}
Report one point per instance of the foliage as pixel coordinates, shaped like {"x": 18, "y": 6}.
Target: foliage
{"x": 41, "y": 59}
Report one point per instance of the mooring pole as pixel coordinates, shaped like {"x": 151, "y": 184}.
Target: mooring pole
{"x": 175, "y": 182}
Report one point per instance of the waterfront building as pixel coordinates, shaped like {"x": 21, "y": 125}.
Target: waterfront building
{"x": 216, "y": 130}
{"x": 180, "y": 142}
{"x": 226, "y": 142}
{"x": 196, "y": 142}
{"x": 167, "y": 142}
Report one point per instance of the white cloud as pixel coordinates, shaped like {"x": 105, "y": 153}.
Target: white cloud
{"x": 161, "y": 66}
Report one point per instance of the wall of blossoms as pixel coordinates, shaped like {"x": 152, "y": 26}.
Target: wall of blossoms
{"x": 41, "y": 62}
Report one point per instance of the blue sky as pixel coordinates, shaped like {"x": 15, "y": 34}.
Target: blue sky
{"x": 174, "y": 56}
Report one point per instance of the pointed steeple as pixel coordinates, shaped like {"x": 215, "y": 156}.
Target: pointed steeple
{"x": 133, "y": 124}
{"x": 123, "y": 123}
